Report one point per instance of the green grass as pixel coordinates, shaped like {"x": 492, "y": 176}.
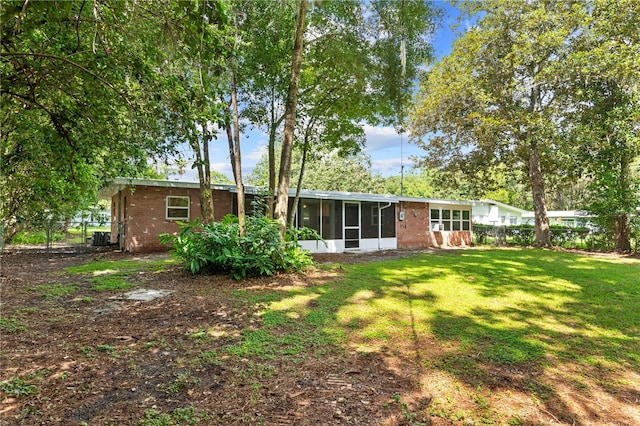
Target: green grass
{"x": 12, "y": 325}
{"x": 505, "y": 309}
{"x": 112, "y": 275}
{"x": 55, "y": 290}
{"x": 121, "y": 266}
{"x": 179, "y": 416}
{"x": 110, "y": 283}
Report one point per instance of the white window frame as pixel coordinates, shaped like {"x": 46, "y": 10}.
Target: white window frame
{"x": 187, "y": 208}
{"x": 439, "y": 223}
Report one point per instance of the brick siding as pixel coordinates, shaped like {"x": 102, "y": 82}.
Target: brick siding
{"x": 143, "y": 214}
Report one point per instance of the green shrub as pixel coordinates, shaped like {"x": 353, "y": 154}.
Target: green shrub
{"x": 219, "y": 248}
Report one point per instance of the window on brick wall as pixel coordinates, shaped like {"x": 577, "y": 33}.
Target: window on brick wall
{"x": 178, "y": 208}
{"x": 450, "y": 220}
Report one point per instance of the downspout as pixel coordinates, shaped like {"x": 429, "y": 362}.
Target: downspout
{"x": 380, "y": 223}
{"x": 119, "y": 220}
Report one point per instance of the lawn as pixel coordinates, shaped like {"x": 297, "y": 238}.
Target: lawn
{"x": 484, "y": 336}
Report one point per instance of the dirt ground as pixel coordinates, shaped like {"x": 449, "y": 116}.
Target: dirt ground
{"x": 145, "y": 349}
{"x": 97, "y": 361}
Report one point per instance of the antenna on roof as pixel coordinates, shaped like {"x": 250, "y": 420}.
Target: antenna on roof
{"x": 403, "y": 63}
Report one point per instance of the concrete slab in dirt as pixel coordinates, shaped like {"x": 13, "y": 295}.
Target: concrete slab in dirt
{"x": 143, "y": 295}
{"x": 109, "y": 308}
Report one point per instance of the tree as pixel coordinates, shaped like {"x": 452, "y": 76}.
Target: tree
{"x": 268, "y": 28}
{"x": 389, "y": 37}
{"x": 77, "y": 102}
{"x": 493, "y": 100}
{"x": 328, "y": 171}
{"x": 198, "y": 37}
{"x": 282, "y": 202}
{"x": 604, "y": 84}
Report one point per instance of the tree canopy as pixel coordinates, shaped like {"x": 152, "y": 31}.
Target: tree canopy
{"x": 509, "y": 93}
{"x": 81, "y": 94}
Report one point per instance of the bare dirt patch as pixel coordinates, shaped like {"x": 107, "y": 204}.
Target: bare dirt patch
{"x": 94, "y": 361}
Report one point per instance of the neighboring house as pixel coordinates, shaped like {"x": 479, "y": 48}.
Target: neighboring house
{"x": 142, "y": 209}
{"x": 572, "y": 218}
{"x": 490, "y": 212}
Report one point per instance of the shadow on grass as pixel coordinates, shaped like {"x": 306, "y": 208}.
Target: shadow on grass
{"x": 500, "y": 319}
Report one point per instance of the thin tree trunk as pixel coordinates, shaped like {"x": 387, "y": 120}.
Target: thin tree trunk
{"x": 275, "y": 123}
{"x": 282, "y": 202}
{"x": 305, "y": 152}
{"x": 543, "y": 232}
{"x": 204, "y": 178}
{"x": 233, "y": 135}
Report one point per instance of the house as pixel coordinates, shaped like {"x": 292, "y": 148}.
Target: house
{"x": 490, "y": 212}
{"x": 571, "y": 218}
{"x": 142, "y": 209}
{"x": 495, "y": 213}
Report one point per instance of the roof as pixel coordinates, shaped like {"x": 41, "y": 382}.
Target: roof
{"x": 561, "y": 213}
{"x": 121, "y": 183}
{"x": 498, "y": 203}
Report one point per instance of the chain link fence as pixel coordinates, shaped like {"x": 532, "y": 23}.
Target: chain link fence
{"x": 74, "y": 236}
{"x": 571, "y": 238}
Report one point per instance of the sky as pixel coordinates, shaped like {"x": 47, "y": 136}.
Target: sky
{"x": 389, "y": 151}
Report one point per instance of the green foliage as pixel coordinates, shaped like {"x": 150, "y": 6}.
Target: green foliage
{"x": 110, "y": 283}
{"x": 524, "y": 235}
{"x": 56, "y": 290}
{"x": 179, "y": 416}
{"x": 219, "y": 248}
{"x": 18, "y": 387}
{"x": 325, "y": 171}
{"x": 12, "y": 325}
{"x": 34, "y": 237}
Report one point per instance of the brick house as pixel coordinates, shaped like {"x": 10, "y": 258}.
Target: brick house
{"x": 142, "y": 209}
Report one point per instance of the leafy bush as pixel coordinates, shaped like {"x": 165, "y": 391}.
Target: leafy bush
{"x": 218, "y": 247}
{"x": 523, "y": 235}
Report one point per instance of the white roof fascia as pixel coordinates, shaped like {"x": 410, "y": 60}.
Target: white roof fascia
{"x": 120, "y": 183}
{"x": 560, "y": 213}
{"x": 436, "y": 201}
{"x": 503, "y": 205}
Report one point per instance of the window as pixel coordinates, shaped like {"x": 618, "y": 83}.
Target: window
{"x": 435, "y": 220}
{"x": 446, "y": 220}
{"x": 369, "y": 225}
{"x": 466, "y": 223}
{"x": 178, "y": 208}
{"x": 456, "y": 216}
{"x": 388, "y": 220}
{"x": 450, "y": 220}
{"x": 310, "y": 214}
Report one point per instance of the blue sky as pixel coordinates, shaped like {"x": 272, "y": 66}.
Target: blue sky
{"x": 388, "y": 152}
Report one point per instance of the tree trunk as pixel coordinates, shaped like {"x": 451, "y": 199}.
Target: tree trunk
{"x": 282, "y": 202}
{"x": 543, "y": 232}
{"x": 305, "y": 151}
{"x": 234, "y": 154}
{"x": 622, "y": 232}
{"x": 622, "y": 220}
{"x": 204, "y": 176}
{"x": 273, "y": 128}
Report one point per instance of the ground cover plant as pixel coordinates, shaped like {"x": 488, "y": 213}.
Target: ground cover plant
{"x": 496, "y": 336}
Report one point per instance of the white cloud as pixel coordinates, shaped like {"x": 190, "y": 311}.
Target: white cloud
{"x": 255, "y": 155}
{"x": 390, "y": 166}
{"x": 381, "y": 137}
